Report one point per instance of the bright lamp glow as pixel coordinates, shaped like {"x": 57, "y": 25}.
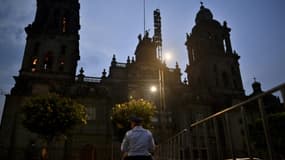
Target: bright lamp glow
{"x": 167, "y": 56}
{"x": 153, "y": 89}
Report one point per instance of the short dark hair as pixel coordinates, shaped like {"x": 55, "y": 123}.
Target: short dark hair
{"x": 135, "y": 119}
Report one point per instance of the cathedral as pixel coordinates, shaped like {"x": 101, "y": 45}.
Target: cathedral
{"x": 50, "y": 62}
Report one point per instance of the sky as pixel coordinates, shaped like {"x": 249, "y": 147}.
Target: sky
{"x": 111, "y": 27}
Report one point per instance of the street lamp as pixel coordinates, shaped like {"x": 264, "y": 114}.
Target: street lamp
{"x": 153, "y": 89}
{"x": 167, "y": 56}
{"x": 161, "y": 74}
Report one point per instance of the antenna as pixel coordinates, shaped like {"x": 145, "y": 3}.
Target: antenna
{"x": 143, "y": 16}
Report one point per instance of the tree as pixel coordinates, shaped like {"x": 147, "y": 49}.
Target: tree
{"x": 51, "y": 115}
{"x": 122, "y": 112}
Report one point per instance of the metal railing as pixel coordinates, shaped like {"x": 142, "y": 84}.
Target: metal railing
{"x": 232, "y": 133}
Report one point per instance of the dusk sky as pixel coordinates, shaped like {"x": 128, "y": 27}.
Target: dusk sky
{"x": 111, "y": 27}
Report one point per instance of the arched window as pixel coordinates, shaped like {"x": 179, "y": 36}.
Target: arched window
{"x": 233, "y": 70}
{"x": 56, "y": 20}
{"x": 61, "y": 65}
{"x": 193, "y": 55}
{"x": 64, "y": 24}
{"x": 225, "y": 79}
{"x": 36, "y": 49}
{"x": 63, "y": 49}
{"x": 224, "y": 44}
{"x": 215, "y": 68}
{"x": 235, "y": 84}
{"x": 65, "y": 21}
{"x": 48, "y": 61}
{"x": 34, "y": 64}
{"x": 217, "y": 81}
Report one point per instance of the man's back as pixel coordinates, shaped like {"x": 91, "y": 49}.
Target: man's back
{"x": 138, "y": 141}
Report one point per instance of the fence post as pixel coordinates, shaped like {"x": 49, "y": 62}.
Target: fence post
{"x": 175, "y": 147}
{"x": 181, "y": 151}
{"x": 167, "y": 150}
{"x": 183, "y": 142}
{"x": 206, "y": 140}
{"x": 190, "y": 133}
{"x": 170, "y": 150}
{"x": 245, "y": 128}
{"x": 218, "y": 140}
{"x": 179, "y": 147}
{"x": 198, "y": 142}
{"x": 230, "y": 136}
{"x": 265, "y": 127}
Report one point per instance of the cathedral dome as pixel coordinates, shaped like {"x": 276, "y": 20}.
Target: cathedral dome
{"x": 256, "y": 86}
{"x": 204, "y": 14}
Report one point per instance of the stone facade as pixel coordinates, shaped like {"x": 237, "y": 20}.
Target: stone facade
{"x": 50, "y": 62}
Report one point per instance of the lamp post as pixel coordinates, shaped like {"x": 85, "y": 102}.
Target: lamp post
{"x": 161, "y": 76}
{"x": 163, "y": 111}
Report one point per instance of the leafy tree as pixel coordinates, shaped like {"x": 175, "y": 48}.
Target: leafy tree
{"x": 122, "y": 112}
{"x": 51, "y": 116}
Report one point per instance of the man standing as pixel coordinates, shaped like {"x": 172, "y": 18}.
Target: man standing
{"x": 138, "y": 143}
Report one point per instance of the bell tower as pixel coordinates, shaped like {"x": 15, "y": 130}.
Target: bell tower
{"x": 52, "y": 48}
{"x": 52, "y": 43}
{"x": 213, "y": 66}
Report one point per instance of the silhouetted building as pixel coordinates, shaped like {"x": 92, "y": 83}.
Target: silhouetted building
{"x": 272, "y": 103}
{"x": 50, "y": 62}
